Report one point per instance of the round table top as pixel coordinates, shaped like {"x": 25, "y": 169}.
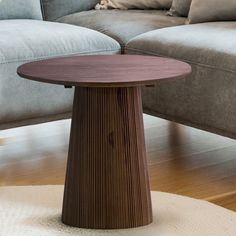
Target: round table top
{"x": 104, "y": 71}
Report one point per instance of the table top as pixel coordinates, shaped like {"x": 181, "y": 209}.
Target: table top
{"x": 104, "y": 71}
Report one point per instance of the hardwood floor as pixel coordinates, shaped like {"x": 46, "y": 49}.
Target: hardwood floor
{"x": 181, "y": 160}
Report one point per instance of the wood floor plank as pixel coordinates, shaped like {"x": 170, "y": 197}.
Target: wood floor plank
{"x": 181, "y": 159}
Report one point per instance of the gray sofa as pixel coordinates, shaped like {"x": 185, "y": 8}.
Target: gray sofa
{"x": 206, "y": 99}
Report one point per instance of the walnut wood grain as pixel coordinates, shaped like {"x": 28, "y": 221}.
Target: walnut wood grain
{"x": 104, "y": 71}
{"x": 107, "y": 184}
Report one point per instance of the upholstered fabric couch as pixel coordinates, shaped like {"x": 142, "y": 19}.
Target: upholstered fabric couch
{"x": 206, "y": 99}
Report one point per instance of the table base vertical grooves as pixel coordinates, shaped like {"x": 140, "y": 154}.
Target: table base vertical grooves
{"x": 107, "y": 185}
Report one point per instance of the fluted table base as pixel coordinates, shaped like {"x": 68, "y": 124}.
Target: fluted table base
{"x": 107, "y": 185}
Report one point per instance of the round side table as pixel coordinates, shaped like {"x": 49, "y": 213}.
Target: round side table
{"x": 107, "y": 183}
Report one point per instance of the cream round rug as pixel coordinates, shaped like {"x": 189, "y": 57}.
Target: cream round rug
{"x": 31, "y": 211}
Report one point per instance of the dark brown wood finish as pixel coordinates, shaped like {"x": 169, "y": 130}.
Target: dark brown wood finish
{"x": 107, "y": 183}
{"x": 104, "y": 71}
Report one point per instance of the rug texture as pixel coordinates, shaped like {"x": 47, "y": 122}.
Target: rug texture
{"x": 31, "y": 211}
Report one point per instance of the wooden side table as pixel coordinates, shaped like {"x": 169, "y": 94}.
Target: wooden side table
{"x": 107, "y": 184}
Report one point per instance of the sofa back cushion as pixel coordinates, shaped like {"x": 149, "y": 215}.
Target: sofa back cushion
{"x": 134, "y": 4}
{"x": 20, "y": 9}
{"x": 180, "y": 8}
{"x": 54, "y": 9}
{"x": 212, "y": 10}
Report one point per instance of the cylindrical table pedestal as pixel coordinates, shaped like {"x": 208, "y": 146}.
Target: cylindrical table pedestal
{"x": 107, "y": 185}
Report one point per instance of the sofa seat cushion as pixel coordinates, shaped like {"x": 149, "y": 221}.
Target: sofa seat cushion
{"x": 54, "y": 9}
{"x": 22, "y": 41}
{"x": 25, "y": 40}
{"x": 208, "y": 44}
{"x": 207, "y": 98}
{"x": 123, "y": 25}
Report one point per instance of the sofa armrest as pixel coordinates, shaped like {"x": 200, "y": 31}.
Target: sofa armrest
{"x": 54, "y": 9}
